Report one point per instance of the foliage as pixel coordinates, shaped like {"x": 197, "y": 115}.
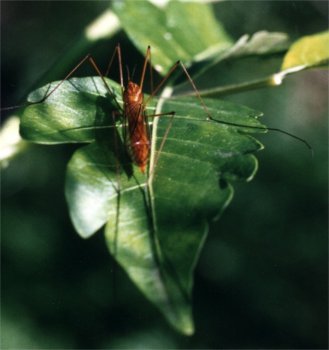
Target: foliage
{"x": 97, "y": 194}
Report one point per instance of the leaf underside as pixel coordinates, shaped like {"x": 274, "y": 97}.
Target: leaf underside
{"x": 156, "y": 230}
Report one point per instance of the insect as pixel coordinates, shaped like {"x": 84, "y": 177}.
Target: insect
{"x": 134, "y": 113}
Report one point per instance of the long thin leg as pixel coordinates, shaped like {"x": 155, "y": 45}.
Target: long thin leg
{"x": 89, "y": 58}
{"x": 151, "y": 73}
{"x": 209, "y": 116}
{"x": 117, "y": 51}
{"x": 160, "y": 85}
{"x": 146, "y": 61}
{"x": 172, "y": 114}
{"x": 164, "y": 138}
{"x": 167, "y": 76}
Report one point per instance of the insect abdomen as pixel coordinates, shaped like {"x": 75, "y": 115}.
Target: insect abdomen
{"x": 138, "y": 142}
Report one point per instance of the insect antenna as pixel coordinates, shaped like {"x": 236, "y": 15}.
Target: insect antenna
{"x": 210, "y": 117}
{"x": 265, "y": 129}
{"x": 133, "y": 73}
{"x": 128, "y": 72}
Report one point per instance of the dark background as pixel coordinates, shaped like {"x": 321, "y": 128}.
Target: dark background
{"x": 261, "y": 281}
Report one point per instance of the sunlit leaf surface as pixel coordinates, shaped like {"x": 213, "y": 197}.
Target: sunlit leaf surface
{"x": 309, "y": 51}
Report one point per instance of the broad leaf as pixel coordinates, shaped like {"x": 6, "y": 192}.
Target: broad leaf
{"x": 154, "y": 225}
{"x": 75, "y": 112}
{"x": 178, "y": 31}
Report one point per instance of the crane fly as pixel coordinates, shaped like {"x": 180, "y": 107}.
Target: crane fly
{"x": 134, "y": 113}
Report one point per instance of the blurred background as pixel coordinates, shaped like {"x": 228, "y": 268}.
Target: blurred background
{"x": 261, "y": 281}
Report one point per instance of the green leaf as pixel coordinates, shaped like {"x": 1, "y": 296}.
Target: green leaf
{"x": 178, "y": 31}
{"x": 155, "y": 225}
{"x": 75, "y": 112}
{"x": 309, "y": 51}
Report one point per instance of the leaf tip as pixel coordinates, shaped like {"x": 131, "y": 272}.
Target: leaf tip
{"x": 186, "y": 329}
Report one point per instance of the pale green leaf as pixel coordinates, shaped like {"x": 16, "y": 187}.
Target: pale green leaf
{"x": 309, "y": 51}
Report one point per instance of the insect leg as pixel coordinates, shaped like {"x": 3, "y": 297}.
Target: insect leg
{"x": 164, "y": 138}
{"x": 117, "y": 52}
{"x": 90, "y": 59}
{"x": 146, "y": 61}
{"x": 210, "y": 117}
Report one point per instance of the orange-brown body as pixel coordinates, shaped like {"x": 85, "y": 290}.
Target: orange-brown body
{"x": 139, "y": 141}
